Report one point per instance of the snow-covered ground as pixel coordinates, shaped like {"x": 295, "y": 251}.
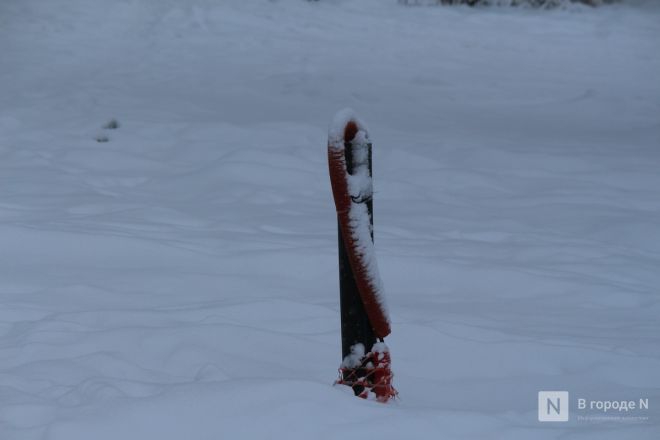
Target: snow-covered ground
{"x": 179, "y": 281}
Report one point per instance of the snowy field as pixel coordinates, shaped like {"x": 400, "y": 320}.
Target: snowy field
{"x": 176, "y": 277}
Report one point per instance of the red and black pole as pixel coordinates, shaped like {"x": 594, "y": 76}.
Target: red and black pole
{"x": 364, "y": 321}
{"x": 355, "y": 325}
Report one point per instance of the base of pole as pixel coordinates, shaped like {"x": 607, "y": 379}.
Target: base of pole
{"x": 370, "y": 377}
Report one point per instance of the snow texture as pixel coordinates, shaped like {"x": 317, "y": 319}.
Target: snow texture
{"x": 179, "y": 281}
{"x": 360, "y": 187}
{"x": 354, "y": 359}
{"x": 380, "y": 347}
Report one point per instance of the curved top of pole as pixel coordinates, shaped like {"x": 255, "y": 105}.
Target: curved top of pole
{"x": 345, "y": 125}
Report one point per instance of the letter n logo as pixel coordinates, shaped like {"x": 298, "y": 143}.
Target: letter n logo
{"x": 553, "y": 406}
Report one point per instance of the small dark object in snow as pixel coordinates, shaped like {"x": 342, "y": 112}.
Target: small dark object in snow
{"x": 543, "y": 4}
{"x": 102, "y": 139}
{"x": 113, "y": 124}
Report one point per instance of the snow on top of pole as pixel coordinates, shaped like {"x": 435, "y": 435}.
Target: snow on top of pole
{"x": 338, "y": 125}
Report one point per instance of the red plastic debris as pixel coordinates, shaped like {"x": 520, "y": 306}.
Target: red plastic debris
{"x": 372, "y": 379}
